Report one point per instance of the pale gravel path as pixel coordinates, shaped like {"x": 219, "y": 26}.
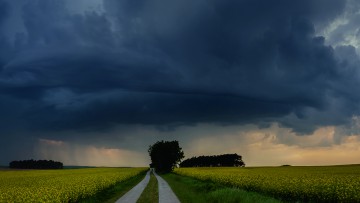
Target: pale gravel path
{"x": 166, "y": 195}
{"x": 133, "y": 195}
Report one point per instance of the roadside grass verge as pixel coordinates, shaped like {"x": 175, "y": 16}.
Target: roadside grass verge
{"x": 112, "y": 194}
{"x": 151, "y": 191}
{"x": 190, "y": 190}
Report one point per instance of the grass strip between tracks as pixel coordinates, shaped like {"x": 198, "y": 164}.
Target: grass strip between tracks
{"x": 151, "y": 192}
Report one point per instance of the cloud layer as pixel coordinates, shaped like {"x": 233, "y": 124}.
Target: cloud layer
{"x": 75, "y": 67}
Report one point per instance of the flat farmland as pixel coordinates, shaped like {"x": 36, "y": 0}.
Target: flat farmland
{"x": 68, "y": 185}
{"x": 306, "y": 183}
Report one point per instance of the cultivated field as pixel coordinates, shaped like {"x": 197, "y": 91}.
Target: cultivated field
{"x": 316, "y": 184}
{"x": 60, "y": 185}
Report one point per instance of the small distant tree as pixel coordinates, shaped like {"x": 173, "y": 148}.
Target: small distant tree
{"x": 165, "y": 155}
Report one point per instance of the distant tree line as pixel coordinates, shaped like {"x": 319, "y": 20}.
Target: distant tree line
{"x": 224, "y": 160}
{"x": 36, "y": 164}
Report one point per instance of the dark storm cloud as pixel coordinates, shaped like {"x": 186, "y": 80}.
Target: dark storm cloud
{"x": 4, "y": 45}
{"x": 3, "y": 10}
{"x": 174, "y": 62}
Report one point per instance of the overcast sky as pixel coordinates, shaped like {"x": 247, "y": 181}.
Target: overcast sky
{"x": 95, "y": 82}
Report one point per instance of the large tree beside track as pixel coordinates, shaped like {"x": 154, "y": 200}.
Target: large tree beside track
{"x": 165, "y": 155}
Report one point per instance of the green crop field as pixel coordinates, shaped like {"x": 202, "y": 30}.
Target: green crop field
{"x": 315, "y": 184}
{"x": 60, "y": 185}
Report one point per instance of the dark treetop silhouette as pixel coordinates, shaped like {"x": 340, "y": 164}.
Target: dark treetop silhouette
{"x": 228, "y": 160}
{"x": 165, "y": 155}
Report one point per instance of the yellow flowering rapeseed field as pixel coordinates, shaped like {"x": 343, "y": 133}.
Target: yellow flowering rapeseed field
{"x": 70, "y": 185}
{"x": 307, "y": 183}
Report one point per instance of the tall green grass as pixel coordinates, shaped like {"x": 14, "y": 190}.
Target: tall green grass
{"x": 190, "y": 190}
